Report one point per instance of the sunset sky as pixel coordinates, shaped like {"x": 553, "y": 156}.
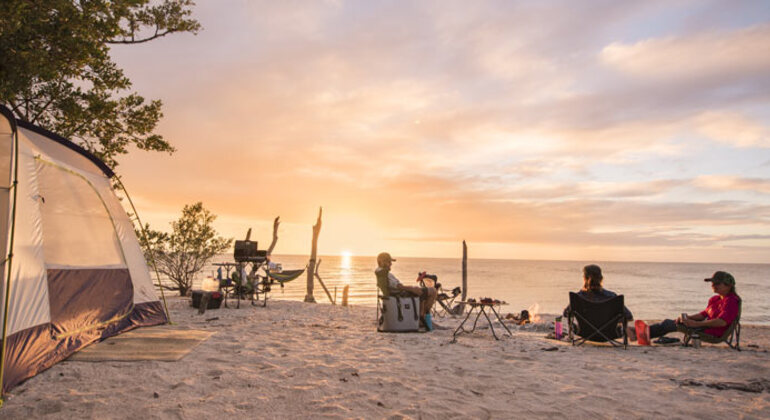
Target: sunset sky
{"x": 634, "y": 131}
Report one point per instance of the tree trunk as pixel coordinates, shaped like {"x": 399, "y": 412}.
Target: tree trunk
{"x": 311, "y": 264}
{"x": 276, "y": 222}
{"x": 465, "y": 273}
{"x": 460, "y": 307}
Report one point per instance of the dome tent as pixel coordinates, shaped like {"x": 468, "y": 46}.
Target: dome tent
{"x": 71, "y": 260}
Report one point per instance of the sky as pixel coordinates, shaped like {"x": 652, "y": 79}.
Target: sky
{"x": 598, "y": 130}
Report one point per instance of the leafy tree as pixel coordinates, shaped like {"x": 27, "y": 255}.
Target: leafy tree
{"x": 56, "y": 71}
{"x": 181, "y": 254}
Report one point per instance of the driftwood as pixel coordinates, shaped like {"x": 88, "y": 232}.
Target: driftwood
{"x": 276, "y": 222}
{"x": 311, "y": 264}
{"x": 460, "y": 308}
{"x": 318, "y": 276}
{"x": 753, "y": 385}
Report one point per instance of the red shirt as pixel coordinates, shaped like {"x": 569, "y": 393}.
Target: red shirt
{"x": 724, "y": 308}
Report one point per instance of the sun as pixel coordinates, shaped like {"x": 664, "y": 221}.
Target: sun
{"x": 346, "y": 259}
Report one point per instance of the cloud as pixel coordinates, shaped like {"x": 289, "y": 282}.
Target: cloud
{"x": 733, "y": 128}
{"x": 733, "y": 183}
{"x": 712, "y": 54}
{"x": 427, "y": 123}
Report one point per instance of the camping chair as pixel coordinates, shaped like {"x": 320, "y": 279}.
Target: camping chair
{"x": 597, "y": 321}
{"x": 443, "y": 299}
{"x": 446, "y": 302}
{"x": 402, "y": 315}
{"x": 733, "y": 331}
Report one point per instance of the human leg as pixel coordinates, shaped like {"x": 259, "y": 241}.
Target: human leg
{"x": 662, "y": 328}
{"x": 430, "y": 295}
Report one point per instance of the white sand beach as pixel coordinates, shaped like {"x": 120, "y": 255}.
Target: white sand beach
{"x": 296, "y": 360}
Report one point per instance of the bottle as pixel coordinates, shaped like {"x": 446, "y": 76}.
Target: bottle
{"x": 428, "y": 322}
{"x": 696, "y": 341}
{"x": 557, "y": 328}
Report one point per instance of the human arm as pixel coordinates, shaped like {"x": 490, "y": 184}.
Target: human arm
{"x": 707, "y": 323}
{"x": 721, "y": 312}
{"x": 628, "y": 314}
{"x": 694, "y": 317}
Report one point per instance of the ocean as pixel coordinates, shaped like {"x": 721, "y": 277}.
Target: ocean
{"x": 652, "y": 290}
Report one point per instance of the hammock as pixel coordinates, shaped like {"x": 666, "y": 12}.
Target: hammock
{"x": 286, "y": 275}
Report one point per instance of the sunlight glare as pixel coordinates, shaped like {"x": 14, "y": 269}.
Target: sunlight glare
{"x": 346, "y": 259}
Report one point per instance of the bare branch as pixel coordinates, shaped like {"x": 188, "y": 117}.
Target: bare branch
{"x": 276, "y": 222}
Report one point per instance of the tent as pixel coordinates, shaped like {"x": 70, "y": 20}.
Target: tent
{"x": 73, "y": 270}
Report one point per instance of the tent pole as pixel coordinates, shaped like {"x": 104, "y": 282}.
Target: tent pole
{"x": 14, "y": 185}
{"x": 144, "y": 236}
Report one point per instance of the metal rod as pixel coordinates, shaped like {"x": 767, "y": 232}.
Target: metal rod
{"x": 144, "y": 237}
{"x": 15, "y": 186}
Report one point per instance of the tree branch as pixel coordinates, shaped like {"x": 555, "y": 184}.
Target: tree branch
{"x": 276, "y": 222}
{"x": 156, "y": 35}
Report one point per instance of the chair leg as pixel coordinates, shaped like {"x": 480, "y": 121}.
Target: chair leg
{"x": 625, "y": 335}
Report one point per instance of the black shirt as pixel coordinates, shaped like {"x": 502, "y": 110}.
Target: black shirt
{"x": 600, "y": 296}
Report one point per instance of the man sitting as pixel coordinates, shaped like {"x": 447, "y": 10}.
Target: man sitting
{"x": 427, "y": 295}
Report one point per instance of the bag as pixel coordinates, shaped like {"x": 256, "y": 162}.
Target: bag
{"x": 215, "y": 300}
{"x": 642, "y": 333}
{"x": 399, "y": 314}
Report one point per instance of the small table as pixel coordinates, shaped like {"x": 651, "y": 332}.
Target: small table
{"x": 480, "y": 308}
{"x": 226, "y": 284}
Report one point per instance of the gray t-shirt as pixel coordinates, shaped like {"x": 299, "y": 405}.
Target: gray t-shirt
{"x": 393, "y": 282}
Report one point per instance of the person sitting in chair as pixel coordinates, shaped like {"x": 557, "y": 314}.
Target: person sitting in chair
{"x": 594, "y": 291}
{"x": 720, "y": 312}
{"x": 426, "y": 294}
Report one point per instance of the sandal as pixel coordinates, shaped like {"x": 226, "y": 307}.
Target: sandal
{"x": 666, "y": 340}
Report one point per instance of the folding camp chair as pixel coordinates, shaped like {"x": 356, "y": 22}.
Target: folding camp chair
{"x": 597, "y": 321}
{"x": 446, "y": 301}
{"x": 396, "y": 312}
{"x": 732, "y": 332}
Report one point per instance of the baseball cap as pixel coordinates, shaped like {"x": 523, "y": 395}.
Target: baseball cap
{"x": 722, "y": 277}
{"x": 383, "y": 258}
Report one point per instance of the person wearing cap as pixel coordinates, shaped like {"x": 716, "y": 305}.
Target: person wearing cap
{"x": 427, "y": 295}
{"x": 720, "y": 312}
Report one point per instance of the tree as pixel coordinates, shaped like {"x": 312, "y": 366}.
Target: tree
{"x": 56, "y": 71}
{"x": 181, "y": 254}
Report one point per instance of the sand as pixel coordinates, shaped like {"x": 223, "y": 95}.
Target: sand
{"x": 296, "y": 360}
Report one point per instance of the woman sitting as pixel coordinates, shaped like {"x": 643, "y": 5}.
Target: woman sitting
{"x": 593, "y": 291}
{"x": 721, "y": 311}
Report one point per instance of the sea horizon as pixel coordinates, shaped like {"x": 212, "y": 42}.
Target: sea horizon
{"x": 652, "y": 290}
{"x": 525, "y": 259}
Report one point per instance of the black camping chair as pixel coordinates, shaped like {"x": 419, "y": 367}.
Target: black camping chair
{"x": 597, "y": 321}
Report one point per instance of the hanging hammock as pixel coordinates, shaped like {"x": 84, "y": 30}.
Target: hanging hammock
{"x": 286, "y": 275}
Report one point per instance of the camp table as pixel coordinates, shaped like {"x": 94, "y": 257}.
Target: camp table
{"x": 480, "y": 308}
{"x": 226, "y": 284}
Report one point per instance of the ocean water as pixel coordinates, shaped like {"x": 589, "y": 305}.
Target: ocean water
{"x": 651, "y": 290}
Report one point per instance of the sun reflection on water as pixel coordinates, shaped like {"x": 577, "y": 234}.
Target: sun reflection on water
{"x": 346, "y": 260}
